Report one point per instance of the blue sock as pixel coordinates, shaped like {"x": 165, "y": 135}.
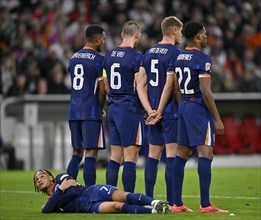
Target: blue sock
{"x": 204, "y": 172}
{"x": 135, "y": 209}
{"x": 168, "y": 179}
{"x": 150, "y": 173}
{"x": 112, "y": 173}
{"x": 178, "y": 176}
{"x": 138, "y": 199}
{"x": 73, "y": 166}
{"x": 89, "y": 171}
{"x": 129, "y": 176}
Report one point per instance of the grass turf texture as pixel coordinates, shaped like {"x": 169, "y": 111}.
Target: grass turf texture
{"x": 235, "y": 189}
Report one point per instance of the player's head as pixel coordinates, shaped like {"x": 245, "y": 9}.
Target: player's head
{"x": 172, "y": 26}
{"x": 131, "y": 29}
{"x": 43, "y": 179}
{"x": 95, "y": 34}
{"x": 195, "y": 32}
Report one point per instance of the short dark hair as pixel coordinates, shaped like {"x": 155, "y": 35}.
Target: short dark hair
{"x": 191, "y": 29}
{"x": 93, "y": 30}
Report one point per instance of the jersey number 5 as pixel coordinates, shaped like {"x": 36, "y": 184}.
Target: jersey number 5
{"x": 184, "y": 75}
{"x": 153, "y": 69}
{"x": 78, "y": 77}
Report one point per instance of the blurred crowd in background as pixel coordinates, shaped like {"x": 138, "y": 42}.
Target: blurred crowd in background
{"x": 38, "y": 37}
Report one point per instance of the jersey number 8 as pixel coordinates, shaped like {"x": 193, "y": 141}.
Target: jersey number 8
{"x": 78, "y": 77}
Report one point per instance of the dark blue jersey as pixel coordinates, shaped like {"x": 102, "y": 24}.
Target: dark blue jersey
{"x": 157, "y": 61}
{"x": 78, "y": 198}
{"x": 191, "y": 65}
{"x": 85, "y": 68}
{"x": 121, "y": 64}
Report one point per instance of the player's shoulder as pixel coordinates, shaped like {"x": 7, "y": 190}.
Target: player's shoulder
{"x": 61, "y": 177}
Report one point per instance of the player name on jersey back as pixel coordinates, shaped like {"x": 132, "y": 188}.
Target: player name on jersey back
{"x": 116, "y": 53}
{"x": 89, "y": 56}
{"x": 185, "y": 57}
{"x": 158, "y": 50}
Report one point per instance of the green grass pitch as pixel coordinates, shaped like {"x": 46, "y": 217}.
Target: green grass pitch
{"x": 235, "y": 189}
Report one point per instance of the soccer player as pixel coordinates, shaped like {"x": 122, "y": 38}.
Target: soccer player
{"x": 87, "y": 99}
{"x": 125, "y": 115}
{"x": 199, "y": 119}
{"x": 157, "y": 75}
{"x": 68, "y": 196}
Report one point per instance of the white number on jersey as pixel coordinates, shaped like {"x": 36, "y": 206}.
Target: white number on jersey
{"x": 153, "y": 69}
{"x": 78, "y": 77}
{"x": 114, "y": 75}
{"x": 184, "y": 75}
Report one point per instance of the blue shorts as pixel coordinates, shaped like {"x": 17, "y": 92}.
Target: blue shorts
{"x": 93, "y": 196}
{"x": 164, "y": 132}
{"x": 195, "y": 125}
{"x": 125, "y": 127}
{"x": 87, "y": 134}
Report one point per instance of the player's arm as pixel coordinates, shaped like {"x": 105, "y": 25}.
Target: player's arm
{"x": 141, "y": 79}
{"x": 106, "y": 83}
{"x": 50, "y": 205}
{"x": 165, "y": 94}
{"x": 176, "y": 89}
{"x": 205, "y": 87}
{"x": 102, "y": 94}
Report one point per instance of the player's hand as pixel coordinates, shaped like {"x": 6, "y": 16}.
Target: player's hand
{"x": 151, "y": 117}
{"x": 219, "y": 127}
{"x": 103, "y": 113}
{"x": 68, "y": 183}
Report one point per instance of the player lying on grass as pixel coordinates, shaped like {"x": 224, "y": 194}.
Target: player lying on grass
{"x": 67, "y": 195}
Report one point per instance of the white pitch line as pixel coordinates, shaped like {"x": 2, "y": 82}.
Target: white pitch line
{"x": 221, "y": 197}
{"x": 185, "y": 196}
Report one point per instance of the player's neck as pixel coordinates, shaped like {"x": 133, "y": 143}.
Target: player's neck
{"x": 49, "y": 190}
{"x": 167, "y": 40}
{"x": 191, "y": 45}
{"x": 90, "y": 46}
{"x": 128, "y": 42}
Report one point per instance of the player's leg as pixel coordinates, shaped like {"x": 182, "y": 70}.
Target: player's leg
{"x": 129, "y": 167}
{"x": 93, "y": 140}
{"x": 156, "y": 140}
{"x": 130, "y": 127}
{"x": 116, "y": 150}
{"x": 138, "y": 200}
{"x": 205, "y": 154}
{"x": 76, "y": 139}
{"x": 169, "y": 128}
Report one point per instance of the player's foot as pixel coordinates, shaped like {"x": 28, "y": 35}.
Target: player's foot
{"x": 181, "y": 208}
{"x": 211, "y": 209}
{"x": 160, "y": 206}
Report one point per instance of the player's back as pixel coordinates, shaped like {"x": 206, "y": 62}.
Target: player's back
{"x": 85, "y": 68}
{"x": 192, "y": 64}
{"x": 121, "y": 64}
{"x": 157, "y": 61}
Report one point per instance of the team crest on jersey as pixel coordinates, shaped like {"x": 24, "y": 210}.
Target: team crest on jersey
{"x": 208, "y": 66}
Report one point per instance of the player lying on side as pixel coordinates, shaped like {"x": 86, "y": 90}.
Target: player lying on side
{"x": 67, "y": 195}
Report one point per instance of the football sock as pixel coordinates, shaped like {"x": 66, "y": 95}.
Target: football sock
{"x": 112, "y": 173}
{"x": 150, "y": 173}
{"x": 73, "y": 166}
{"x": 129, "y": 176}
{"x": 178, "y": 176}
{"x": 135, "y": 209}
{"x": 168, "y": 179}
{"x": 138, "y": 199}
{"x": 89, "y": 171}
{"x": 204, "y": 172}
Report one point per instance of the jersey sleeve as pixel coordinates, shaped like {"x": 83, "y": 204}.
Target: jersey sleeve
{"x": 171, "y": 64}
{"x": 205, "y": 67}
{"x": 137, "y": 62}
{"x": 50, "y": 205}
